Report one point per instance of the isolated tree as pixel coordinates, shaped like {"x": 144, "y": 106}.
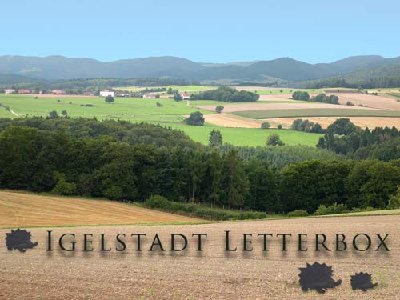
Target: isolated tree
{"x": 53, "y": 115}
{"x": 215, "y": 138}
{"x": 342, "y": 126}
{"x": 274, "y": 140}
{"x": 64, "y": 113}
{"x": 301, "y": 95}
{"x": 195, "y": 119}
{"x": 280, "y": 126}
{"x": 265, "y": 125}
{"x": 177, "y": 97}
{"x": 219, "y": 109}
{"x": 109, "y": 99}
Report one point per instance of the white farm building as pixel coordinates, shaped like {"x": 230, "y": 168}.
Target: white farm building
{"x": 107, "y": 93}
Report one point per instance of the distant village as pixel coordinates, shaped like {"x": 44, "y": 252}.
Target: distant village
{"x": 147, "y": 93}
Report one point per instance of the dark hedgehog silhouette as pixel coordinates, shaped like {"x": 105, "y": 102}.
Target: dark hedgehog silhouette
{"x": 317, "y": 277}
{"x": 362, "y": 281}
{"x": 20, "y": 240}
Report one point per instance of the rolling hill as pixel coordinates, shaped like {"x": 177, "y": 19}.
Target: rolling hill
{"x": 22, "y": 209}
{"x": 282, "y": 69}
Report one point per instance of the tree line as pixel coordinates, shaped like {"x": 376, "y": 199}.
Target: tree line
{"x": 226, "y": 94}
{"x": 343, "y": 137}
{"x": 323, "y": 98}
{"x": 355, "y": 83}
{"x": 132, "y": 162}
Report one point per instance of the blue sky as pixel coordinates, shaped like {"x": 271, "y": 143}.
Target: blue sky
{"x": 217, "y": 31}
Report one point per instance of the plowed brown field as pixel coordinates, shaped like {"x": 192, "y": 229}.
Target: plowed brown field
{"x": 370, "y": 122}
{"x": 377, "y": 102}
{"x": 211, "y": 274}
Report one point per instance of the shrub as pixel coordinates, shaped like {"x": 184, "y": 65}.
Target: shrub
{"x": 298, "y": 213}
{"x": 280, "y": 126}
{"x": 109, "y": 99}
{"x": 53, "y": 115}
{"x": 219, "y": 109}
{"x": 63, "y": 187}
{"x": 274, "y": 140}
{"x": 265, "y": 125}
{"x": 201, "y": 211}
{"x": 332, "y": 209}
{"x": 157, "y": 201}
{"x": 195, "y": 119}
{"x": 394, "y": 201}
{"x": 300, "y": 95}
{"x": 215, "y": 138}
{"x": 113, "y": 192}
{"x": 177, "y": 97}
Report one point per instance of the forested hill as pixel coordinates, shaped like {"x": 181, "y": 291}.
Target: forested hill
{"x": 134, "y": 162}
{"x": 121, "y": 131}
{"x": 272, "y": 71}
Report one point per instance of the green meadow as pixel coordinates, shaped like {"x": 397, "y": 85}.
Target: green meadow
{"x": 248, "y": 136}
{"x": 170, "y": 114}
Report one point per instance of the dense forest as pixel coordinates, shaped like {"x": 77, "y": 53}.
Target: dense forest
{"x": 132, "y": 162}
{"x": 343, "y": 137}
{"x": 354, "y": 83}
{"x": 81, "y": 85}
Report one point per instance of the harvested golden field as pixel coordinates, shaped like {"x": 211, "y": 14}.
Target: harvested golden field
{"x": 27, "y": 210}
{"x": 228, "y": 120}
{"x": 276, "y": 97}
{"x": 210, "y": 274}
{"x": 377, "y": 102}
{"x": 281, "y": 106}
{"x": 363, "y": 122}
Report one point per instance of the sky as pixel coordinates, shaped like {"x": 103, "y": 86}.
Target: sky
{"x": 206, "y": 31}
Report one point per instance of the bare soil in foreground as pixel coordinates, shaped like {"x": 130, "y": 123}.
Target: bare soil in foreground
{"x": 211, "y": 274}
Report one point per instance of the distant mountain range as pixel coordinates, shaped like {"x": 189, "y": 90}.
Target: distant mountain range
{"x": 282, "y": 70}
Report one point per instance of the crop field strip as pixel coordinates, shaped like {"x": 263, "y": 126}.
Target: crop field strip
{"x": 170, "y": 114}
{"x": 28, "y": 210}
{"x": 282, "y": 113}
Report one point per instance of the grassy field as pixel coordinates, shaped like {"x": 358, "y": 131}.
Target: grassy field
{"x": 249, "y": 136}
{"x": 170, "y": 114}
{"x": 19, "y": 209}
{"x": 281, "y": 113}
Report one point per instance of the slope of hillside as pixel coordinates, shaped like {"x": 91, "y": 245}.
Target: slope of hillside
{"x": 19, "y": 209}
{"x": 286, "y": 69}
